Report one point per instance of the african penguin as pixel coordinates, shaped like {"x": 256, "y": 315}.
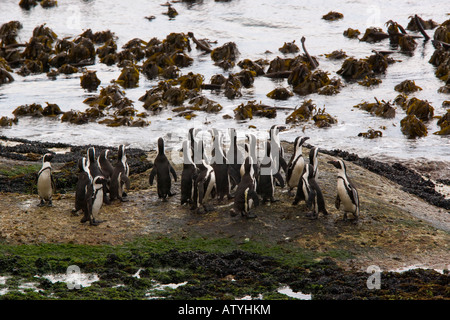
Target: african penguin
{"x": 234, "y": 159}
{"x": 251, "y": 151}
{"x": 162, "y": 169}
{"x": 295, "y": 165}
{"x": 315, "y": 197}
{"x": 104, "y": 164}
{"x": 245, "y": 197}
{"x": 92, "y": 163}
{"x": 83, "y": 183}
{"x": 346, "y": 191}
{"x": 188, "y": 174}
{"x": 119, "y": 177}
{"x": 303, "y": 188}
{"x": 220, "y": 166}
{"x": 314, "y": 162}
{"x": 277, "y": 148}
{"x": 268, "y": 173}
{"x": 205, "y": 184}
{"x": 95, "y": 201}
{"x": 45, "y": 182}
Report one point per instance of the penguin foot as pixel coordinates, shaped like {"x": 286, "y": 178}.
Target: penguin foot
{"x": 50, "y": 204}
{"x": 124, "y": 200}
{"x": 170, "y": 194}
{"x": 233, "y": 213}
{"x": 250, "y": 215}
{"x": 41, "y": 204}
{"x": 311, "y": 215}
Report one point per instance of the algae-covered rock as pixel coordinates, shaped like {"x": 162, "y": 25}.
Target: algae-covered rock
{"x": 251, "y": 109}
{"x": 302, "y": 113}
{"x": 407, "y": 86}
{"x": 89, "y": 80}
{"x": 413, "y": 127}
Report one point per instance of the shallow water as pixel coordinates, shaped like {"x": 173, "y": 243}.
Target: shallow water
{"x": 256, "y": 29}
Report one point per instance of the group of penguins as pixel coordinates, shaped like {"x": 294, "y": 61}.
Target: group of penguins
{"x": 203, "y": 178}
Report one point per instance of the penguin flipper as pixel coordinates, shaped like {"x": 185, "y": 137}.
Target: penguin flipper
{"x": 311, "y": 198}
{"x": 152, "y": 175}
{"x": 53, "y": 182}
{"x": 337, "y": 202}
{"x": 280, "y": 179}
{"x": 126, "y": 181}
{"x": 254, "y": 196}
{"x": 283, "y": 164}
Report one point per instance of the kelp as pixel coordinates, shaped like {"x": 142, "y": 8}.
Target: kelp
{"x": 371, "y": 134}
{"x": 323, "y": 119}
{"x": 381, "y": 108}
{"x": 5, "y": 76}
{"x": 351, "y": 33}
{"x": 49, "y": 3}
{"x": 75, "y": 117}
{"x": 89, "y": 80}
{"x": 27, "y": 4}
{"x": 34, "y": 110}
{"x": 232, "y": 87}
{"x": 8, "y": 122}
{"x": 407, "y": 86}
{"x": 251, "y": 109}
{"x": 289, "y": 47}
{"x": 191, "y": 81}
{"x": 358, "y": 69}
{"x": 369, "y": 81}
{"x": 226, "y": 55}
{"x": 422, "y": 109}
{"x": 413, "y": 127}
{"x": 336, "y": 55}
{"x": 374, "y": 34}
{"x": 444, "y": 124}
{"x": 442, "y": 33}
{"x": 202, "y": 103}
{"x": 280, "y": 94}
{"x": 441, "y": 60}
{"x": 9, "y": 32}
{"x": 302, "y": 113}
{"x": 426, "y": 24}
{"x": 246, "y": 77}
{"x": 312, "y": 83}
{"x": 129, "y": 77}
{"x": 51, "y": 110}
{"x": 333, "y": 16}
{"x": 251, "y": 65}
{"x": 67, "y": 69}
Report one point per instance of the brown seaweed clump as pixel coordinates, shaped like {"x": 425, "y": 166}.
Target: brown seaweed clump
{"x": 51, "y": 110}
{"x": 289, "y": 47}
{"x": 5, "y": 76}
{"x": 442, "y": 33}
{"x": 444, "y": 124}
{"x": 89, "y": 80}
{"x": 413, "y": 127}
{"x": 34, "y": 110}
{"x": 323, "y": 119}
{"x": 49, "y": 3}
{"x": 332, "y": 16}
{"x": 351, "y": 33}
{"x": 256, "y": 66}
{"x": 27, "y": 4}
{"x": 407, "y": 86}
{"x": 251, "y": 109}
{"x": 336, "y": 55}
{"x": 422, "y": 109}
{"x": 374, "y": 34}
{"x": 369, "y": 81}
{"x": 371, "y": 134}
{"x": 226, "y": 55}
{"x": 129, "y": 77}
{"x": 280, "y": 94}
{"x": 313, "y": 82}
{"x": 358, "y": 69}
{"x": 8, "y": 122}
{"x": 302, "y": 113}
{"x": 9, "y": 32}
{"x": 426, "y": 24}
{"x": 381, "y": 108}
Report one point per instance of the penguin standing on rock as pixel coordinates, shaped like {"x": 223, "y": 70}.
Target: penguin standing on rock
{"x": 246, "y": 197}
{"x": 188, "y": 175}
{"x": 314, "y": 162}
{"x": 205, "y": 184}
{"x": 234, "y": 159}
{"x": 119, "y": 177}
{"x": 296, "y": 165}
{"x": 45, "y": 182}
{"x": 268, "y": 173}
{"x": 346, "y": 191}
{"x": 107, "y": 170}
{"x": 94, "y": 201}
{"x": 162, "y": 170}
{"x": 277, "y": 148}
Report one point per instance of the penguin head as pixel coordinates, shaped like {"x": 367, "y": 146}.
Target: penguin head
{"x": 47, "y": 157}
{"x": 91, "y": 154}
{"x": 160, "y": 145}
{"x": 99, "y": 181}
{"x": 339, "y": 164}
{"x": 104, "y": 154}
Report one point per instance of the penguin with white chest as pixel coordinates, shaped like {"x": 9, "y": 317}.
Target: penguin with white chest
{"x": 220, "y": 166}
{"x": 246, "y": 197}
{"x": 235, "y": 159}
{"x": 162, "y": 169}
{"x": 119, "y": 178}
{"x": 94, "y": 201}
{"x": 347, "y": 195}
{"x": 205, "y": 184}
{"x": 314, "y": 198}
{"x": 296, "y": 165}
{"x": 45, "y": 182}
{"x": 107, "y": 170}
{"x": 83, "y": 187}
{"x": 188, "y": 174}
{"x": 268, "y": 175}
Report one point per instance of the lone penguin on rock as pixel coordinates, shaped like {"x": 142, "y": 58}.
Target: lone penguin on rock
{"x": 45, "y": 182}
{"x": 162, "y": 170}
{"x": 347, "y": 195}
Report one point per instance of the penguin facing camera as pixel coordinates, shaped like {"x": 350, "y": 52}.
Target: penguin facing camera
{"x": 314, "y": 198}
{"x": 245, "y": 198}
{"x": 45, "y": 182}
{"x": 162, "y": 170}
{"x": 119, "y": 178}
{"x": 220, "y": 166}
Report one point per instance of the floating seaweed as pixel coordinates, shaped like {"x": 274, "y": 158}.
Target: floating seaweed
{"x": 9, "y": 32}
{"x": 336, "y": 55}
{"x": 129, "y": 77}
{"x": 89, "y": 80}
{"x": 413, "y": 127}
{"x": 232, "y": 87}
{"x": 426, "y": 24}
{"x": 27, "y": 4}
{"x": 407, "y": 86}
{"x": 379, "y": 108}
{"x": 371, "y": 134}
{"x": 191, "y": 81}
{"x": 356, "y": 69}
{"x": 289, "y": 47}
{"x": 302, "y": 113}
{"x": 422, "y": 109}
{"x": 323, "y": 119}
{"x": 369, "y": 81}
{"x": 312, "y": 83}
{"x": 332, "y": 16}
{"x": 351, "y": 33}
{"x": 444, "y": 124}
{"x": 34, "y": 110}
{"x": 442, "y": 33}
{"x": 75, "y": 117}
{"x": 251, "y": 65}
{"x": 251, "y": 109}
{"x": 374, "y": 34}
{"x": 51, "y": 110}
{"x": 8, "y": 122}
{"x": 49, "y": 3}
{"x": 280, "y": 94}
{"x": 225, "y": 55}
{"x": 202, "y": 103}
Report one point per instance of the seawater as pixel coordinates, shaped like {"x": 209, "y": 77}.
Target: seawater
{"x": 258, "y": 28}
